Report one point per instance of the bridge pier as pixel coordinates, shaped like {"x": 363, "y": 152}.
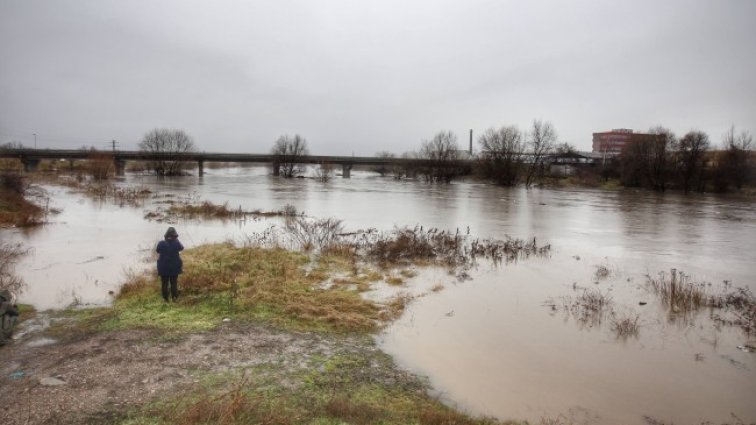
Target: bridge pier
{"x": 276, "y": 169}
{"x": 346, "y": 170}
{"x": 120, "y": 167}
{"x": 201, "y": 168}
{"x": 30, "y": 164}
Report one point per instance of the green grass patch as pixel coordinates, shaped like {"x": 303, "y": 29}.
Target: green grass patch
{"x": 357, "y": 388}
{"x": 275, "y": 286}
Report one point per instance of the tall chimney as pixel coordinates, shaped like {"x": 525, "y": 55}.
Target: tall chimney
{"x": 471, "y": 142}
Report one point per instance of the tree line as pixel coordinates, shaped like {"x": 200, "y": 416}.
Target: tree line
{"x": 508, "y": 156}
{"x": 660, "y": 160}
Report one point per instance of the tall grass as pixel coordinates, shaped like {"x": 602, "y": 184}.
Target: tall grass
{"x": 272, "y": 285}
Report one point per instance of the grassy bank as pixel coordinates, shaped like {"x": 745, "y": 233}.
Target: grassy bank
{"x": 352, "y": 388}
{"x": 318, "y": 288}
{"x": 312, "y": 296}
{"x": 273, "y": 286}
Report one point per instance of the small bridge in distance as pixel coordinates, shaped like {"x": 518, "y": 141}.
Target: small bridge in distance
{"x": 32, "y": 157}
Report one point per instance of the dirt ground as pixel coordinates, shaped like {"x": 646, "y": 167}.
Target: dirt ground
{"x": 98, "y": 378}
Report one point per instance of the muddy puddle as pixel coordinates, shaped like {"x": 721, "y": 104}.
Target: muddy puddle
{"x": 501, "y": 343}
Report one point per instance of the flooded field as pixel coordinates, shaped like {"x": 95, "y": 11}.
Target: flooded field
{"x": 512, "y": 340}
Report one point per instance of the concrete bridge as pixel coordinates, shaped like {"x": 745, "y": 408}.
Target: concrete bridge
{"x": 31, "y": 158}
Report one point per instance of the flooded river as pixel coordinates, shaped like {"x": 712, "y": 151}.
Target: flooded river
{"x": 501, "y": 343}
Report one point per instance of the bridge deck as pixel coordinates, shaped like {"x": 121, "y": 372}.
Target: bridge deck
{"x": 35, "y": 154}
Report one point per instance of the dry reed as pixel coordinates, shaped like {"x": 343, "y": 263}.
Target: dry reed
{"x": 589, "y": 308}
{"x": 409, "y": 245}
{"x": 625, "y": 325}
{"x": 209, "y": 210}
{"x": 682, "y": 297}
{"x": 678, "y": 292}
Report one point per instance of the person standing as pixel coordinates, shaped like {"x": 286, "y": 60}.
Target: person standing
{"x": 169, "y": 264}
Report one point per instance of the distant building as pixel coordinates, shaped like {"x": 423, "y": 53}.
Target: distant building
{"x": 610, "y": 143}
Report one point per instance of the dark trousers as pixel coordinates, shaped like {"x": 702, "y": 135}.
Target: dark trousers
{"x": 174, "y": 286}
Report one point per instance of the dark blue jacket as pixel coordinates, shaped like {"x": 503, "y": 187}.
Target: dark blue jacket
{"x": 169, "y": 262}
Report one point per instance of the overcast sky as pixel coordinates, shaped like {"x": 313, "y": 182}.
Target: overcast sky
{"x": 364, "y": 76}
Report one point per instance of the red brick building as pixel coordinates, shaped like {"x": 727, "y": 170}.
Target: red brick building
{"x": 610, "y": 143}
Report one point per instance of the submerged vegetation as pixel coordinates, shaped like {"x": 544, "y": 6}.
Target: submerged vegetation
{"x": 15, "y": 209}
{"x": 408, "y": 245}
{"x": 399, "y": 247}
{"x": 120, "y": 195}
{"x": 588, "y": 308}
{"x": 678, "y": 293}
{"x": 209, "y": 210}
{"x": 679, "y": 296}
{"x": 682, "y": 297}
{"x": 625, "y": 325}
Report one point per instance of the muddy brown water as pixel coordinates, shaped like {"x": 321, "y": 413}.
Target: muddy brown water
{"x": 491, "y": 345}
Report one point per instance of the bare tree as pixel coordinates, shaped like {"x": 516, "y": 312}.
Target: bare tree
{"x": 565, "y": 149}
{"x": 691, "y": 159}
{"x": 541, "y": 140}
{"x": 658, "y": 157}
{"x": 737, "y": 154}
{"x": 169, "y": 144}
{"x": 441, "y": 158}
{"x": 15, "y": 144}
{"x": 288, "y": 152}
{"x": 633, "y": 164}
{"x": 501, "y": 154}
{"x": 646, "y": 160}
{"x": 383, "y": 169}
{"x": 99, "y": 165}
{"x": 324, "y": 172}
{"x": 407, "y": 168}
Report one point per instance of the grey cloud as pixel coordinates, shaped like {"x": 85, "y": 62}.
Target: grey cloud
{"x": 367, "y": 76}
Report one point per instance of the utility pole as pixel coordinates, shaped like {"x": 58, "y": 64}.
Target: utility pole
{"x": 114, "y": 143}
{"x": 35, "y": 140}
